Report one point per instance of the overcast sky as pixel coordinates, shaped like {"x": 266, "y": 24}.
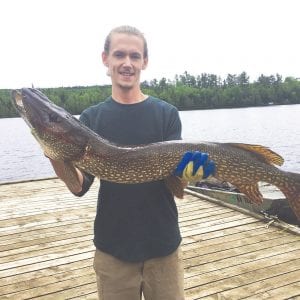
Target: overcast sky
{"x": 51, "y": 43}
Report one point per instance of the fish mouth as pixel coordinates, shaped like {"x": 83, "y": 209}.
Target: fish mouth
{"x": 18, "y": 103}
{"x": 18, "y": 100}
{"x": 26, "y": 101}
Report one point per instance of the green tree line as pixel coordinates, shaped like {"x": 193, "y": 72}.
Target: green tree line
{"x": 185, "y": 91}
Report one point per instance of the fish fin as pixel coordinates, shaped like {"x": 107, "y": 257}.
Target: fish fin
{"x": 176, "y": 185}
{"x": 265, "y": 154}
{"x": 252, "y": 192}
{"x": 291, "y": 190}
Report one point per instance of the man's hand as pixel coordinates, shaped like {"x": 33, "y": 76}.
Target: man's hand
{"x": 195, "y": 166}
{"x": 70, "y": 175}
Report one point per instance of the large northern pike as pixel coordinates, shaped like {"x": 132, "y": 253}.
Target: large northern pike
{"x": 63, "y": 137}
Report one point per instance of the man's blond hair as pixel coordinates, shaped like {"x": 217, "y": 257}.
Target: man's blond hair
{"x": 127, "y": 30}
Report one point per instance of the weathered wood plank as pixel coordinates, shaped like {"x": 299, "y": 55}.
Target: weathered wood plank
{"x": 47, "y": 275}
{"x": 255, "y": 242}
{"x": 198, "y": 275}
{"x": 268, "y": 278}
{"x": 216, "y": 227}
{"x": 58, "y": 253}
{"x": 291, "y": 290}
{"x": 55, "y": 285}
{"x": 43, "y": 243}
{"x": 222, "y": 259}
{"x": 63, "y": 260}
{"x": 243, "y": 228}
{"x": 50, "y": 217}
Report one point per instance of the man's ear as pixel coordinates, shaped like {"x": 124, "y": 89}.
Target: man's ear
{"x": 104, "y": 58}
{"x": 145, "y": 64}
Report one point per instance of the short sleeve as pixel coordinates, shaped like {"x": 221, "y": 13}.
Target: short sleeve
{"x": 173, "y": 126}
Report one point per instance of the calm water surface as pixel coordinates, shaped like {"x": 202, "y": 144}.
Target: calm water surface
{"x": 277, "y": 127}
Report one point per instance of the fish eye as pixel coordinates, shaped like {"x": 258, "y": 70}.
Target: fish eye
{"x": 54, "y": 118}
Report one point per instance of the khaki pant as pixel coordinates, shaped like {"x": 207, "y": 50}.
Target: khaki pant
{"x": 157, "y": 279}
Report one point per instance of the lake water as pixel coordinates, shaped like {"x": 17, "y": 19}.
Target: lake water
{"x": 277, "y": 127}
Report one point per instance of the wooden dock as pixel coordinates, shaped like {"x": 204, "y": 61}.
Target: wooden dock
{"x": 46, "y": 248}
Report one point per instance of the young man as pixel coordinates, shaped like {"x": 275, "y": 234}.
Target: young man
{"x": 136, "y": 230}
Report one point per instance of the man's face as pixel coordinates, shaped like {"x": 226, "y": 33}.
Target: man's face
{"x": 125, "y": 60}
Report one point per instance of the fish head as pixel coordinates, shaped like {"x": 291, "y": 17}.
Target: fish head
{"x": 60, "y": 134}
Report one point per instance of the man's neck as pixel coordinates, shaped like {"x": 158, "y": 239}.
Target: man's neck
{"x": 129, "y": 96}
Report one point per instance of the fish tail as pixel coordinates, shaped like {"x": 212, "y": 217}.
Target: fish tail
{"x": 290, "y": 187}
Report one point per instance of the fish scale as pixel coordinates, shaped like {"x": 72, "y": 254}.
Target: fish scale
{"x": 63, "y": 137}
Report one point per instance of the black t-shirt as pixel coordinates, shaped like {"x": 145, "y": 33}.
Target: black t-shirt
{"x": 134, "y": 222}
